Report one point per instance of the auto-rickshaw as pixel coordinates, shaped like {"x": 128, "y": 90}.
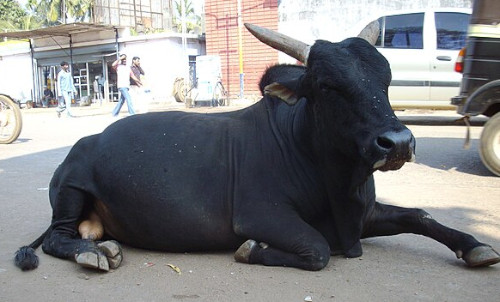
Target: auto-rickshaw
{"x": 480, "y": 87}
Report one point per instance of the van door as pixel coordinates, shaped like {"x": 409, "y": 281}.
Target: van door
{"x": 450, "y": 34}
{"x": 401, "y": 42}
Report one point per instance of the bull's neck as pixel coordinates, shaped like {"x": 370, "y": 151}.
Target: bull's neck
{"x": 344, "y": 178}
{"x": 329, "y": 151}
{"x": 291, "y": 124}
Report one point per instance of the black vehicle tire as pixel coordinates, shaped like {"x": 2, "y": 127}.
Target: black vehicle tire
{"x": 11, "y": 121}
{"x": 489, "y": 146}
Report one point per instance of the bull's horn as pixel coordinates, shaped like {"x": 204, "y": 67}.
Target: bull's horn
{"x": 370, "y": 32}
{"x": 294, "y": 48}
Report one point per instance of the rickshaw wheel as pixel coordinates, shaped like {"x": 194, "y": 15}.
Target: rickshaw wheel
{"x": 10, "y": 120}
{"x": 489, "y": 147}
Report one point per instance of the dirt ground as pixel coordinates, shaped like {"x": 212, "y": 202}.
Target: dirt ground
{"x": 448, "y": 181}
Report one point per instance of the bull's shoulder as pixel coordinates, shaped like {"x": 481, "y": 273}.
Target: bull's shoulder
{"x": 280, "y": 73}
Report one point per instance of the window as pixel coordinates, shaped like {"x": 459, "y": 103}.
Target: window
{"x": 402, "y": 31}
{"x": 451, "y": 30}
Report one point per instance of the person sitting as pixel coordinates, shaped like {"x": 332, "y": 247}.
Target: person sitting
{"x": 97, "y": 91}
{"x": 47, "y": 97}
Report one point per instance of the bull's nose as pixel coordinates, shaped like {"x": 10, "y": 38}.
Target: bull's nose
{"x": 397, "y": 148}
{"x": 396, "y": 141}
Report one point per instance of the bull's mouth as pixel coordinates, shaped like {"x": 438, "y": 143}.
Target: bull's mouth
{"x": 393, "y": 163}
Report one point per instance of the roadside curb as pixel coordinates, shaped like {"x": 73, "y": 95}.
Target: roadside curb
{"x": 437, "y": 117}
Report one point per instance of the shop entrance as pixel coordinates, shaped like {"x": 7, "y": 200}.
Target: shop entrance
{"x": 90, "y": 78}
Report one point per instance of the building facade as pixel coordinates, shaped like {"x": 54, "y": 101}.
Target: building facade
{"x": 90, "y": 52}
{"x": 139, "y": 28}
{"x": 142, "y": 16}
{"x": 305, "y": 20}
{"x": 243, "y": 57}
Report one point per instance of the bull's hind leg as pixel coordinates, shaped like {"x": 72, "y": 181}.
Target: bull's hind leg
{"x": 63, "y": 240}
{"x": 388, "y": 220}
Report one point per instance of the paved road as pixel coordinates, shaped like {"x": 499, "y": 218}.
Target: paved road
{"x": 448, "y": 181}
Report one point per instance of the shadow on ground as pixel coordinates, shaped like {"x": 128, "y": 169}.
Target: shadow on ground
{"x": 430, "y": 153}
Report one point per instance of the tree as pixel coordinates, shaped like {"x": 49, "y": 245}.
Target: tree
{"x": 11, "y": 15}
{"x": 32, "y": 20}
{"x": 51, "y": 10}
{"x": 188, "y": 8}
{"x": 193, "y": 21}
{"x": 60, "y": 11}
{"x": 80, "y": 10}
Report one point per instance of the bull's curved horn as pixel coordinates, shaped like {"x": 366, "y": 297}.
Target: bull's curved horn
{"x": 294, "y": 48}
{"x": 370, "y": 32}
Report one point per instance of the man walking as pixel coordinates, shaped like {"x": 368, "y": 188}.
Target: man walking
{"x": 66, "y": 89}
{"x": 124, "y": 73}
{"x": 137, "y": 86}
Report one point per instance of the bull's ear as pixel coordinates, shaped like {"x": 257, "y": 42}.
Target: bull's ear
{"x": 283, "y": 92}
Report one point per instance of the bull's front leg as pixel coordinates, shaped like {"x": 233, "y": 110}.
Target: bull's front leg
{"x": 280, "y": 239}
{"x": 386, "y": 220}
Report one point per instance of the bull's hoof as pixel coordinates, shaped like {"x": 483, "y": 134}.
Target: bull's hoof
{"x": 108, "y": 255}
{"x": 244, "y": 251}
{"x": 483, "y": 255}
{"x": 113, "y": 252}
{"x": 93, "y": 260}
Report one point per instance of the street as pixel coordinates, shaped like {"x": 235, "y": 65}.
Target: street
{"x": 447, "y": 181}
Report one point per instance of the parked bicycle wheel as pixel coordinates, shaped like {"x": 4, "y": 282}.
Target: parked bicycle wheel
{"x": 220, "y": 95}
{"x": 10, "y": 120}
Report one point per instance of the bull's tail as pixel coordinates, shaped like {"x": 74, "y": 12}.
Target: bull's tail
{"x": 25, "y": 258}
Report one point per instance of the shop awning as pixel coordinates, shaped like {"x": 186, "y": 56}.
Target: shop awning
{"x": 54, "y": 56}
{"x": 64, "y": 30}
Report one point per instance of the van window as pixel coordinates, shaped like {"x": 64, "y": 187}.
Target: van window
{"x": 402, "y": 31}
{"x": 451, "y": 30}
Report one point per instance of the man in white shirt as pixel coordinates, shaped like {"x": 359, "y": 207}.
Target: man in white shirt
{"x": 66, "y": 88}
{"x": 124, "y": 74}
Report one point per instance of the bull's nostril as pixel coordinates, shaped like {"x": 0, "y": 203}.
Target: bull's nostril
{"x": 385, "y": 142}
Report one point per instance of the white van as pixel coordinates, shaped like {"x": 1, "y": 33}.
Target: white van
{"x": 421, "y": 47}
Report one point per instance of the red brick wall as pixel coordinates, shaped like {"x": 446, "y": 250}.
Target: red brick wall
{"x": 221, "y": 27}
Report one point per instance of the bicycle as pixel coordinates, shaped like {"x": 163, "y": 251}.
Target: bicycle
{"x": 220, "y": 97}
{"x": 10, "y": 120}
{"x": 190, "y": 94}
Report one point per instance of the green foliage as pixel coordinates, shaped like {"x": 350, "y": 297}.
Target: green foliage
{"x": 146, "y": 30}
{"x": 193, "y": 21}
{"x": 11, "y": 15}
{"x": 188, "y": 8}
{"x": 50, "y": 10}
{"x": 56, "y": 12}
{"x": 80, "y": 10}
{"x": 42, "y": 13}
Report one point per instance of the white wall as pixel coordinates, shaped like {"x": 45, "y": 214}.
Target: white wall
{"x": 162, "y": 60}
{"x": 334, "y": 20}
{"x": 16, "y": 78}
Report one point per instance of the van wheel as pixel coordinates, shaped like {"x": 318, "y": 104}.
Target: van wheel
{"x": 489, "y": 147}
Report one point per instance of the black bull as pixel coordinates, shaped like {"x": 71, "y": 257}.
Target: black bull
{"x": 287, "y": 180}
